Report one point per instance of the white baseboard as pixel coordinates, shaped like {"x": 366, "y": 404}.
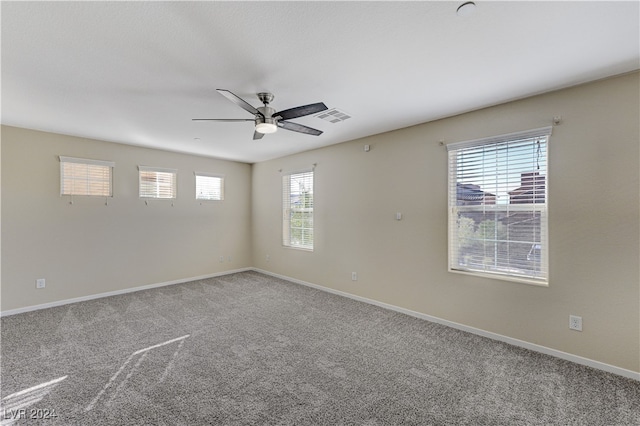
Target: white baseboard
{"x": 516, "y": 342}
{"x": 116, "y": 292}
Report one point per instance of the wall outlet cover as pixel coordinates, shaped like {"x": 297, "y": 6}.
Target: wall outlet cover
{"x": 575, "y": 323}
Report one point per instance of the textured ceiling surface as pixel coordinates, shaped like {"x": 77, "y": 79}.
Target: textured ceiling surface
{"x": 138, "y": 72}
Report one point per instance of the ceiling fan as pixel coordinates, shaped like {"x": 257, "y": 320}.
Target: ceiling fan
{"x": 267, "y": 120}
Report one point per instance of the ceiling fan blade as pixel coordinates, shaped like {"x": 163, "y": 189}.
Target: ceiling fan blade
{"x": 257, "y": 135}
{"x": 222, "y": 119}
{"x": 299, "y": 128}
{"x": 301, "y": 111}
{"x": 239, "y": 101}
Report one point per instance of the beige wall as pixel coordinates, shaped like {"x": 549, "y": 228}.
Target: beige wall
{"x": 594, "y": 163}
{"x": 88, "y": 247}
{"x": 594, "y": 202}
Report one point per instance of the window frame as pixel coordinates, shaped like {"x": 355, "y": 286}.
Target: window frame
{"x": 109, "y": 165}
{"x": 288, "y": 211}
{"x": 158, "y": 171}
{"x": 539, "y": 205}
{"x": 210, "y": 175}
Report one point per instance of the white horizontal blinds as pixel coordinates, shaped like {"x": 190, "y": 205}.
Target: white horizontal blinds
{"x": 209, "y": 187}
{"x": 157, "y": 182}
{"x": 498, "y": 205}
{"x": 80, "y": 176}
{"x": 297, "y": 206}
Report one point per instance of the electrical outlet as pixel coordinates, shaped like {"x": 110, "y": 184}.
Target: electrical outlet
{"x": 575, "y": 323}
{"x": 40, "y": 283}
{"x": 221, "y": 259}
{"x": 268, "y": 257}
{"x": 354, "y": 276}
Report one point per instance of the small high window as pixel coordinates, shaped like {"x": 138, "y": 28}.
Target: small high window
{"x": 81, "y": 176}
{"x": 157, "y": 182}
{"x": 209, "y": 187}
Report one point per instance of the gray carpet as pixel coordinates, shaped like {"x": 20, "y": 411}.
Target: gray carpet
{"x": 249, "y": 349}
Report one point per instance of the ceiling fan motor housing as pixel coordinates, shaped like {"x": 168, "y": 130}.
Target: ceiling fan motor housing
{"x": 267, "y": 112}
{"x": 266, "y": 123}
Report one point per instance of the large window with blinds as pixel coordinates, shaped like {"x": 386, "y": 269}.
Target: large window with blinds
{"x": 297, "y": 210}
{"x": 498, "y": 206}
{"x": 155, "y": 182}
{"x": 82, "y": 176}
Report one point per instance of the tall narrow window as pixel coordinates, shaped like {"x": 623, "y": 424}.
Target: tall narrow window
{"x": 157, "y": 182}
{"x": 498, "y": 206}
{"x": 297, "y": 209}
{"x": 209, "y": 187}
{"x": 81, "y": 176}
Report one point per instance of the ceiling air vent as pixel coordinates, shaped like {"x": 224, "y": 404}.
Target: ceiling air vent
{"x": 333, "y": 115}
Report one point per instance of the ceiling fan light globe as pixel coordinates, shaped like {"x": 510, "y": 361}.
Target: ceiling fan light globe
{"x": 266, "y": 128}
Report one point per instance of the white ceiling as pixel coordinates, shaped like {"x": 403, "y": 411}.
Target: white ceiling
{"x": 137, "y": 72}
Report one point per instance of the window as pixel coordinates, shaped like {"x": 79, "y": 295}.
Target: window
{"x": 209, "y": 187}
{"x": 297, "y": 208}
{"x": 498, "y": 206}
{"x": 80, "y": 176}
{"x": 157, "y": 183}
